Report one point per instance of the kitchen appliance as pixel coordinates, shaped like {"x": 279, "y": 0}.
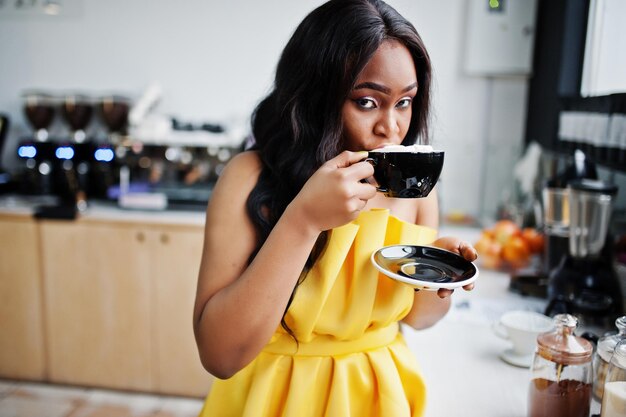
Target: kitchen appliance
{"x": 554, "y": 222}
{"x": 39, "y": 109}
{"x": 66, "y": 169}
{"x": 159, "y": 156}
{"x": 584, "y": 283}
{"x": 72, "y": 167}
{"x": 77, "y": 111}
{"x": 556, "y": 208}
{"x": 114, "y": 111}
{"x": 182, "y": 173}
{"x": 7, "y": 183}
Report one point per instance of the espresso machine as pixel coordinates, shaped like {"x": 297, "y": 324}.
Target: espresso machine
{"x": 73, "y": 167}
{"x": 147, "y": 161}
{"x": 584, "y": 282}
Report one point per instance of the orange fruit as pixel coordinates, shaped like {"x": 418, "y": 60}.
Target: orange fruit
{"x": 488, "y": 252}
{"x": 534, "y": 239}
{"x": 490, "y": 261}
{"x": 516, "y": 251}
{"x": 482, "y": 244}
{"x": 504, "y": 229}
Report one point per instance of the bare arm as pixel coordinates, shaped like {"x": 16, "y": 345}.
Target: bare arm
{"x": 239, "y": 306}
{"x": 431, "y": 306}
{"x": 428, "y": 307}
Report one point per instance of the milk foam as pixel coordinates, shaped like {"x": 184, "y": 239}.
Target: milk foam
{"x": 408, "y": 148}
{"x": 614, "y": 399}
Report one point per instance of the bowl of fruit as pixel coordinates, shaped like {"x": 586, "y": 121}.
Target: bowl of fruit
{"x": 507, "y": 246}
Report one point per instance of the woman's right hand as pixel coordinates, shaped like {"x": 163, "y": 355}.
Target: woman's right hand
{"x": 335, "y": 193}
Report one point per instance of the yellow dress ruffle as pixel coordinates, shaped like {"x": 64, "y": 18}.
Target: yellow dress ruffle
{"x": 351, "y": 359}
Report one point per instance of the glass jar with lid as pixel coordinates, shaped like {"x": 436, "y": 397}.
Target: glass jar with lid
{"x": 614, "y": 398}
{"x": 562, "y": 372}
{"x": 603, "y": 354}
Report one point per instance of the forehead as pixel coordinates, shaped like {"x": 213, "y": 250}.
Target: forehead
{"x": 391, "y": 64}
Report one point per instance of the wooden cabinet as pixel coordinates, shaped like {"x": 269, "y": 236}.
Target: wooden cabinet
{"x": 98, "y": 304}
{"x": 119, "y": 300}
{"x": 177, "y": 366}
{"x": 22, "y": 354}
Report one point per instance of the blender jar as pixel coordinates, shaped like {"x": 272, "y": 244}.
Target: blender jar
{"x": 590, "y": 204}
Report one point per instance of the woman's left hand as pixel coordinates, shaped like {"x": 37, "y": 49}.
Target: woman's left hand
{"x": 464, "y": 249}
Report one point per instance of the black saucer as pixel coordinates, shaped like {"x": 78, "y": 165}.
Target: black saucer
{"x": 424, "y": 267}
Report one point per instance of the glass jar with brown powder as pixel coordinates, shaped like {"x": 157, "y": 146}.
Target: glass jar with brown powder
{"x": 562, "y": 372}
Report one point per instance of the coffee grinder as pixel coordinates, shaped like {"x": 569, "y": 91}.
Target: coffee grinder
{"x": 584, "y": 283}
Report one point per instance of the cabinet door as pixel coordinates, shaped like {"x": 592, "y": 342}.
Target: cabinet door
{"x": 97, "y": 286}
{"x": 21, "y": 325}
{"x": 176, "y": 264}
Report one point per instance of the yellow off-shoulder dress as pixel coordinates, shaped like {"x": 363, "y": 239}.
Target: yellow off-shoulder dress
{"x": 351, "y": 359}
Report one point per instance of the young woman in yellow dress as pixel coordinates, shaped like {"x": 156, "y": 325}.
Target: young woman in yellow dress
{"x": 290, "y": 315}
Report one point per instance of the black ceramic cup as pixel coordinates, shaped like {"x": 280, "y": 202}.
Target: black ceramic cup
{"x": 406, "y": 174}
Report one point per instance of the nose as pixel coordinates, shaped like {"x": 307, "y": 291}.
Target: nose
{"x": 387, "y": 125}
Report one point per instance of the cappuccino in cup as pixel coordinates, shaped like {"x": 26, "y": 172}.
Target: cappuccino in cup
{"x": 408, "y": 148}
{"x": 406, "y": 171}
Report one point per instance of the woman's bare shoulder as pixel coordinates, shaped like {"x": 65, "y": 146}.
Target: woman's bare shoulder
{"x": 244, "y": 165}
{"x": 240, "y": 175}
{"x": 227, "y": 214}
{"x": 249, "y": 159}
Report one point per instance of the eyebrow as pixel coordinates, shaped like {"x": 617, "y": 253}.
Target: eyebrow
{"x": 382, "y": 88}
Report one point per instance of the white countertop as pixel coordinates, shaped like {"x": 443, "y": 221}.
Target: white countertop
{"x": 23, "y": 205}
{"x": 459, "y": 356}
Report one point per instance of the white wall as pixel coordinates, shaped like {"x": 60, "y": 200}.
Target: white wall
{"x": 478, "y": 121}
{"x": 215, "y": 60}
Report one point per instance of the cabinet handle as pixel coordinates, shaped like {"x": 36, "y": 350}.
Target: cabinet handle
{"x": 141, "y": 236}
{"x": 165, "y": 238}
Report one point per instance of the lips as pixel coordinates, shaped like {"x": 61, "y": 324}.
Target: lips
{"x": 383, "y": 145}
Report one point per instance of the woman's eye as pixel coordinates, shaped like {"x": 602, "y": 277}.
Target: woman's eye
{"x": 404, "y": 103}
{"x": 365, "y": 103}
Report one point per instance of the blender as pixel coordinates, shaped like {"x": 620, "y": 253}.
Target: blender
{"x": 584, "y": 283}
{"x": 556, "y": 216}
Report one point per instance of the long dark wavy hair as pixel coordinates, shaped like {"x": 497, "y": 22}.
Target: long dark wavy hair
{"x": 298, "y": 126}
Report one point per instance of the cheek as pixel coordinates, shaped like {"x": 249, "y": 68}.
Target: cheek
{"x": 354, "y": 129}
{"x": 405, "y": 123}
{"x": 351, "y": 137}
